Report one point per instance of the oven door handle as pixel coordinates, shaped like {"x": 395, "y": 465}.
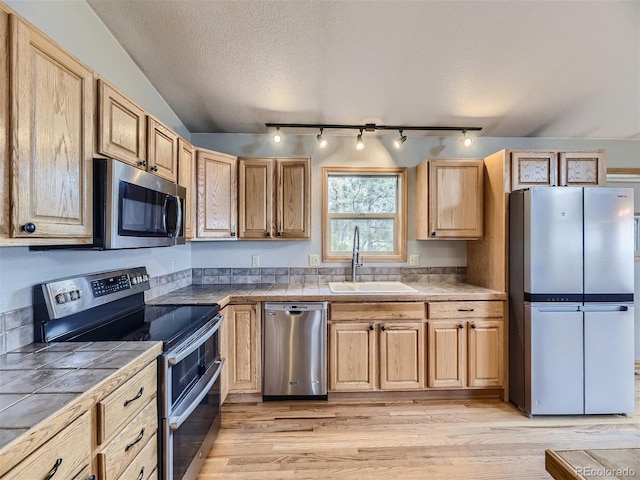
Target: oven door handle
{"x": 177, "y": 420}
{"x": 199, "y": 338}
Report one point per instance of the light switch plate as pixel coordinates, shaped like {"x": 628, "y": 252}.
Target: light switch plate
{"x": 414, "y": 260}
{"x": 314, "y": 260}
{"x": 255, "y": 260}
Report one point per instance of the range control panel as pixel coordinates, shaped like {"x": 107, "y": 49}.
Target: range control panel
{"x": 74, "y": 294}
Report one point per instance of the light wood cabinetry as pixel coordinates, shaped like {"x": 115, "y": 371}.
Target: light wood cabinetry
{"x": 66, "y": 455}
{"x": 47, "y": 190}
{"x": 244, "y": 362}
{"x": 5, "y": 137}
{"x": 162, "y": 150}
{"x": 122, "y": 130}
{"x": 449, "y": 201}
{"x": 217, "y": 205}
{"x": 376, "y": 346}
{"x": 465, "y": 344}
{"x": 274, "y": 198}
{"x": 187, "y": 179}
{"x": 553, "y": 168}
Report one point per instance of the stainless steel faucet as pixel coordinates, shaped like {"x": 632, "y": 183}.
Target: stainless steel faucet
{"x": 355, "y": 258}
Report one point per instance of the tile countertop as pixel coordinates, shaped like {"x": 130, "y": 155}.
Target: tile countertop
{"x": 225, "y": 294}
{"x": 39, "y": 379}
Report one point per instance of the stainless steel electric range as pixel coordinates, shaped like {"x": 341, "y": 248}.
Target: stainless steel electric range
{"x": 110, "y": 306}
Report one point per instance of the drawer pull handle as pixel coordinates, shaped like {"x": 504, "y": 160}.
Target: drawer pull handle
{"x": 127, "y": 402}
{"x": 137, "y": 440}
{"x": 141, "y": 476}
{"x": 54, "y": 470}
{"x": 465, "y": 309}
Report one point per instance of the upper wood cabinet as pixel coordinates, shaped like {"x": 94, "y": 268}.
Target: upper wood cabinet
{"x": 274, "y": 198}
{"x": 52, "y": 118}
{"x": 216, "y": 195}
{"x": 122, "y": 132}
{"x": 449, "y": 199}
{"x": 5, "y": 159}
{"x": 551, "y": 168}
{"x": 162, "y": 150}
{"x": 187, "y": 179}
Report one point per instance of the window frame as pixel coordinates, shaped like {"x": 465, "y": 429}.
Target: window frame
{"x": 400, "y": 218}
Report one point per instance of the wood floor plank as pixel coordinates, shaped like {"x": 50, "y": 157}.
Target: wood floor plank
{"x": 404, "y": 440}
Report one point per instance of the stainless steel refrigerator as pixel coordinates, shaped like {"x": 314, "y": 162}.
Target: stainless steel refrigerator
{"x": 571, "y": 289}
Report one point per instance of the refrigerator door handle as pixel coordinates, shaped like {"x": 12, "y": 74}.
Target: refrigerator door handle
{"x": 557, "y": 308}
{"x": 604, "y": 308}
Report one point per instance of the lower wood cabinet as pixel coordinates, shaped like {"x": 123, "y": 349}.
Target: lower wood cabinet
{"x": 376, "y": 346}
{"x": 465, "y": 344}
{"x": 244, "y": 360}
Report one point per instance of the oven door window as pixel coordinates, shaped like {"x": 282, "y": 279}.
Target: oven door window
{"x": 143, "y": 212}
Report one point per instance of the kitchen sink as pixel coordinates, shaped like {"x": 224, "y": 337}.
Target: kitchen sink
{"x": 370, "y": 287}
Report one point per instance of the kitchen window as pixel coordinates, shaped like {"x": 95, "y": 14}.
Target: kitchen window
{"x": 374, "y": 200}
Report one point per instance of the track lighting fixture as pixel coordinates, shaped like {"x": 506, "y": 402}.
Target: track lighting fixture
{"x": 370, "y": 127}
{"x": 277, "y": 137}
{"x": 466, "y": 141}
{"x": 359, "y": 142}
{"x": 322, "y": 142}
{"x": 399, "y": 141}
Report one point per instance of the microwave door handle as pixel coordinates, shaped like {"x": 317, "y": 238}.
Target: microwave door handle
{"x": 178, "y": 215}
{"x": 165, "y": 212}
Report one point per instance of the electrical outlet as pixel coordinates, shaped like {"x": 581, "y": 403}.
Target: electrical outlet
{"x": 255, "y": 260}
{"x": 314, "y": 260}
{"x": 414, "y": 260}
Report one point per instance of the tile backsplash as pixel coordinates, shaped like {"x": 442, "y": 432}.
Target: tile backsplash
{"x": 16, "y": 326}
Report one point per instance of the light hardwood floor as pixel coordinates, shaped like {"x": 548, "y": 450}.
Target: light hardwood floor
{"x": 426, "y": 440}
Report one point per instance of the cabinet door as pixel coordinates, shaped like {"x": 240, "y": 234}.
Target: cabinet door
{"x": 531, "y": 169}
{"x": 5, "y": 168}
{"x": 53, "y": 117}
{"x": 162, "y": 150}
{"x": 447, "y": 351}
{"x": 187, "y": 179}
{"x": 255, "y": 198}
{"x": 122, "y": 130}
{"x": 486, "y": 358}
{"x": 352, "y": 356}
{"x": 583, "y": 168}
{"x": 216, "y": 195}
{"x": 456, "y": 198}
{"x": 402, "y": 348}
{"x": 292, "y": 198}
{"x": 245, "y": 352}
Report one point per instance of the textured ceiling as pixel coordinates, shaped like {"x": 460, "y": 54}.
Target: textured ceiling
{"x": 516, "y": 68}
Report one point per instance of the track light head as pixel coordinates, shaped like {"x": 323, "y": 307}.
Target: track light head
{"x": 466, "y": 141}
{"x": 322, "y": 142}
{"x": 277, "y": 137}
{"x": 359, "y": 142}
{"x": 399, "y": 141}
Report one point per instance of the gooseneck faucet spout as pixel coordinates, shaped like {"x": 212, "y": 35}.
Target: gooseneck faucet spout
{"x": 355, "y": 258}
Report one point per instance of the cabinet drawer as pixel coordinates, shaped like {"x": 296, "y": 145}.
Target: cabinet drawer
{"x": 483, "y": 309}
{"x": 69, "y": 449}
{"x": 144, "y": 464}
{"x": 123, "y": 449}
{"x": 377, "y": 311}
{"x": 119, "y": 407}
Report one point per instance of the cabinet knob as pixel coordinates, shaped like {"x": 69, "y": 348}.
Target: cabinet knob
{"x": 268, "y": 234}
{"x": 279, "y": 234}
{"x": 383, "y": 328}
{"x": 461, "y": 326}
{"x": 473, "y": 325}
{"x": 433, "y": 234}
{"x": 142, "y": 163}
{"x": 233, "y": 234}
{"x": 154, "y": 168}
{"x": 29, "y": 227}
{"x": 371, "y": 327}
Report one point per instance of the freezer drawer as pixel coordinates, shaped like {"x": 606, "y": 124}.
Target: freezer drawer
{"x": 609, "y": 383}
{"x": 554, "y": 359}
{"x": 295, "y": 350}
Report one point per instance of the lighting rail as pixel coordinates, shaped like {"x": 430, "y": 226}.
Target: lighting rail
{"x": 370, "y": 127}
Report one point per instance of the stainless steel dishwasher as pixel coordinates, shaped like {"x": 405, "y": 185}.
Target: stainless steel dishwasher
{"x": 294, "y": 346}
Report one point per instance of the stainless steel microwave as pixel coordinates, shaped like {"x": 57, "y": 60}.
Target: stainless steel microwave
{"x": 133, "y": 208}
